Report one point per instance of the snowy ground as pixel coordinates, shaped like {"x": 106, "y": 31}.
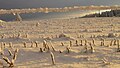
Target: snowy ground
{"x": 74, "y": 29}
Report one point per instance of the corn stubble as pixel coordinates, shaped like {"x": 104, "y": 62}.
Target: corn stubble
{"x": 12, "y": 62}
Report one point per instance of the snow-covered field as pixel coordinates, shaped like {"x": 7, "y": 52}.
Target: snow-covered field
{"x": 61, "y": 35}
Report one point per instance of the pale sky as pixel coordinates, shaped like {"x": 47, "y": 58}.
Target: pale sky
{"x": 7, "y": 4}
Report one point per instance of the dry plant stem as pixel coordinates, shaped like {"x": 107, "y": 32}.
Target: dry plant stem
{"x": 24, "y": 44}
{"x": 2, "y": 53}
{"x": 4, "y": 44}
{"x": 52, "y": 58}
{"x": 3, "y": 36}
{"x": 81, "y": 42}
{"x": 41, "y": 50}
{"x": 1, "y": 45}
{"x": 26, "y": 35}
{"x": 105, "y": 61}
{"x": 118, "y": 46}
{"x": 36, "y": 43}
{"x": 85, "y": 42}
{"x": 10, "y": 53}
{"x": 52, "y": 46}
{"x": 32, "y": 44}
{"x": 76, "y": 42}
{"x": 44, "y": 44}
{"x": 93, "y": 41}
{"x": 70, "y": 43}
{"x": 86, "y": 48}
{"x": 68, "y": 49}
{"x": 48, "y": 48}
{"x": 62, "y": 43}
{"x": 103, "y": 42}
{"x": 11, "y": 63}
{"x": 14, "y": 57}
{"x": 92, "y": 48}
{"x": 115, "y": 42}
{"x": 7, "y": 60}
{"x": 15, "y": 54}
{"x": 111, "y": 43}
{"x": 37, "y": 24}
{"x": 10, "y": 44}
{"x": 60, "y": 51}
{"x": 19, "y": 35}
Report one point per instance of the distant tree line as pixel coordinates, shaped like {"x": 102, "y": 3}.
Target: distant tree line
{"x": 112, "y": 13}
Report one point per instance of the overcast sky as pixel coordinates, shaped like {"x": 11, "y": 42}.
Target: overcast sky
{"x": 8, "y": 4}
